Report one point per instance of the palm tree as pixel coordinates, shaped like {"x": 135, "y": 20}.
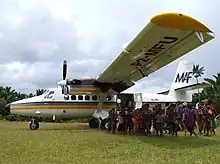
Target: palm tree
{"x": 214, "y": 90}
{"x": 198, "y": 72}
{"x": 39, "y": 92}
{"x": 30, "y": 95}
{"x": 8, "y": 94}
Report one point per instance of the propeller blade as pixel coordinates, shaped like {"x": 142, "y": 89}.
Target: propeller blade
{"x": 64, "y": 69}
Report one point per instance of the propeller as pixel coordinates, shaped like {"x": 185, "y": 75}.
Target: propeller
{"x": 64, "y": 69}
{"x": 63, "y": 83}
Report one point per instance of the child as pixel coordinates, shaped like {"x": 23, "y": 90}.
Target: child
{"x": 148, "y": 116}
{"x": 121, "y": 126}
{"x": 137, "y": 121}
{"x": 129, "y": 122}
{"x": 200, "y": 118}
{"x": 213, "y": 121}
{"x": 159, "y": 123}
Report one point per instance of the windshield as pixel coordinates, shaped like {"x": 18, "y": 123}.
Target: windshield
{"x": 45, "y": 92}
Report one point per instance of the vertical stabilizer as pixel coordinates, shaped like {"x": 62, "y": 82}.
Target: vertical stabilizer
{"x": 183, "y": 78}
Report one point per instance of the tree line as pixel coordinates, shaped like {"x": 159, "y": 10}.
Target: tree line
{"x": 9, "y": 95}
{"x": 211, "y": 92}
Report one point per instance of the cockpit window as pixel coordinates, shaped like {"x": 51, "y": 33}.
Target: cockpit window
{"x": 50, "y": 95}
{"x": 46, "y": 92}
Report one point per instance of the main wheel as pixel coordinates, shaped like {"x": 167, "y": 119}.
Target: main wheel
{"x": 104, "y": 124}
{"x": 94, "y": 123}
{"x": 34, "y": 124}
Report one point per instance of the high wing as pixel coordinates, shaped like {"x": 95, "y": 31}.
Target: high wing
{"x": 165, "y": 38}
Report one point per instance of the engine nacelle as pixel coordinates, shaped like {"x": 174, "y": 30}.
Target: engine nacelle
{"x": 73, "y": 82}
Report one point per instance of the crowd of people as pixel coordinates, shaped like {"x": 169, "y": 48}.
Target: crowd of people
{"x": 174, "y": 118}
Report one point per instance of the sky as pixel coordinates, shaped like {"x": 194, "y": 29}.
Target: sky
{"x": 37, "y": 35}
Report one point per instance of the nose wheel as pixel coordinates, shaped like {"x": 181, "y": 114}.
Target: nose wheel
{"x": 34, "y": 124}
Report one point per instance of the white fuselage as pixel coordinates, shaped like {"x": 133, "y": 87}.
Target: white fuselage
{"x": 52, "y": 103}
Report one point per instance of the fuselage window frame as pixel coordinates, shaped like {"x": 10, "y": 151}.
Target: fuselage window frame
{"x": 94, "y": 97}
{"x": 73, "y": 97}
{"x": 80, "y": 97}
{"x": 87, "y": 97}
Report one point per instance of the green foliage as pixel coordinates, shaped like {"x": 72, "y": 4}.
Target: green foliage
{"x": 14, "y": 117}
{"x": 77, "y": 120}
{"x": 40, "y": 92}
{"x": 212, "y": 92}
{"x": 217, "y": 105}
{"x": 8, "y": 95}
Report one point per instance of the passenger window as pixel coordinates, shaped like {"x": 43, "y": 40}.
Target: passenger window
{"x": 87, "y": 97}
{"x": 66, "y": 98}
{"x": 80, "y": 97}
{"x": 73, "y": 97}
{"x": 94, "y": 97}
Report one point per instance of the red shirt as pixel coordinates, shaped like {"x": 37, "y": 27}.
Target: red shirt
{"x": 200, "y": 114}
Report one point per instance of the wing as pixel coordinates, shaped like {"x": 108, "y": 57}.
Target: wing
{"x": 167, "y": 37}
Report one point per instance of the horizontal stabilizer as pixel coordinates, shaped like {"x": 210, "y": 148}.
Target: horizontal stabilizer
{"x": 189, "y": 87}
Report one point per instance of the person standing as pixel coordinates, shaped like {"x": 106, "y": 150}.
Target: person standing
{"x": 200, "y": 119}
{"x": 148, "y": 116}
{"x": 160, "y": 123}
{"x": 191, "y": 120}
{"x": 207, "y": 118}
{"x": 172, "y": 120}
{"x": 113, "y": 120}
{"x": 129, "y": 122}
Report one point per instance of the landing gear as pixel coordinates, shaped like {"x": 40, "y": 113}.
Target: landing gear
{"x": 104, "y": 124}
{"x": 94, "y": 123}
{"x": 34, "y": 124}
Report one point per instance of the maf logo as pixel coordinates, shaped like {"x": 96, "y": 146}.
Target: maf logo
{"x": 184, "y": 77}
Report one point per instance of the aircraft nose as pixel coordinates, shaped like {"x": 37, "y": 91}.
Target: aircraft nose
{"x": 8, "y": 108}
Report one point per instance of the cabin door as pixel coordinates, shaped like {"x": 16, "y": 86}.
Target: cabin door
{"x": 138, "y": 100}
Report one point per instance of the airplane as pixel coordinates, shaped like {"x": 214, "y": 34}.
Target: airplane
{"x": 167, "y": 37}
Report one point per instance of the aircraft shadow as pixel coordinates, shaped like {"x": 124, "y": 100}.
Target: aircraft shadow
{"x": 179, "y": 142}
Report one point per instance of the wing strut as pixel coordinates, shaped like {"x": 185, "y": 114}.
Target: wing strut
{"x": 99, "y": 113}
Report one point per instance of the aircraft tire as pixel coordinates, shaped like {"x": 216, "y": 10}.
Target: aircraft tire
{"x": 93, "y": 123}
{"x": 104, "y": 124}
{"x": 34, "y": 124}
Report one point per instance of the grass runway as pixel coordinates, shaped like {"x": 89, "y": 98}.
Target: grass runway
{"x": 76, "y": 144}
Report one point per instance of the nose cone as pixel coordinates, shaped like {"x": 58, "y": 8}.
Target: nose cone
{"x": 8, "y": 108}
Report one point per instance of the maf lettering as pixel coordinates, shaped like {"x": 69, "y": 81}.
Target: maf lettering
{"x": 184, "y": 77}
{"x": 156, "y": 49}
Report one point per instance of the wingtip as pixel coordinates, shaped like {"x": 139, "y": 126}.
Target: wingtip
{"x": 179, "y": 21}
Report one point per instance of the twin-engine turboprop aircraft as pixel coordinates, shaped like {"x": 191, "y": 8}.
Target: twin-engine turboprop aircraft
{"x": 166, "y": 37}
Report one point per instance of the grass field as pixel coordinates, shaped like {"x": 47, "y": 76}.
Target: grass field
{"x": 74, "y": 143}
